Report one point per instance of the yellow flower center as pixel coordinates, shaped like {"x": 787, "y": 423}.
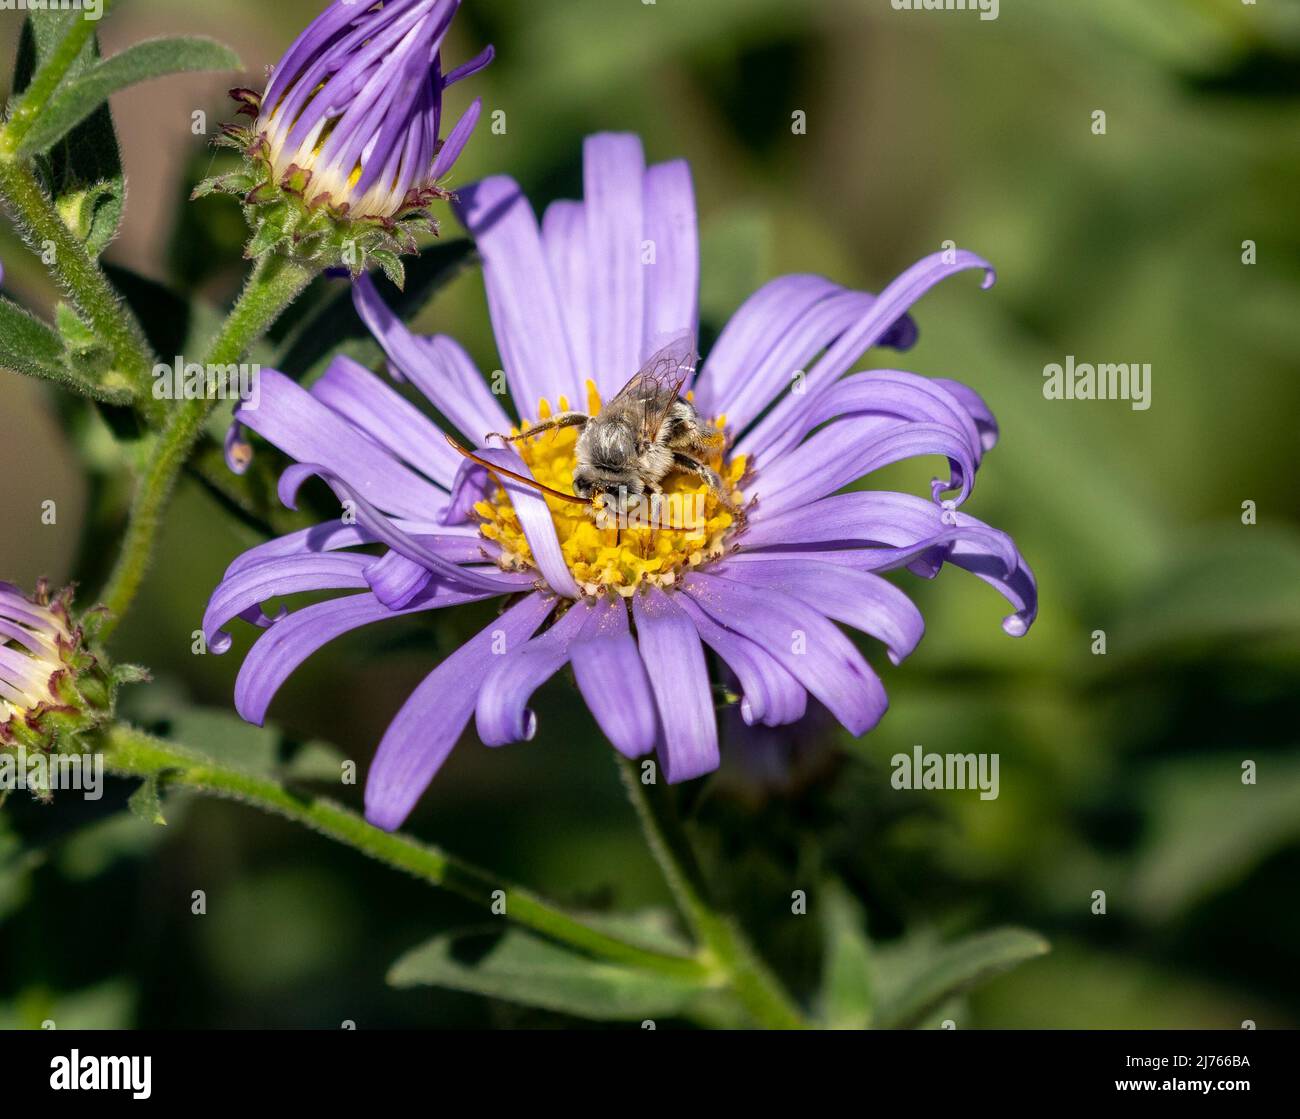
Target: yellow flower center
{"x": 656, "y": 543}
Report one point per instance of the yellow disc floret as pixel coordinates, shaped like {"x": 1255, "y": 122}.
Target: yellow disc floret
{"x": 667, "y": 536}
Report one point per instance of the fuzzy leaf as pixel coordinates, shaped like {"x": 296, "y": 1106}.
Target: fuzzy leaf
{"x": 922, "y": 982}
{"x": 226, "y": 738}
{"x": 846, "y": 987}
{"x": 393, "y": 267}
{"x": 524, "y": 969}
{"x": 154, "y": 58}
{"x": 146, "y": 803}
{"x": 27, "y": 345}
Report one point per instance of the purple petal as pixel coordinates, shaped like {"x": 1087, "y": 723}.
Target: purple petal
{"x": 906, "y": 523}
{"x": 392, "y": 422}
{"x": 672, "y": 282}
{"x": 396, "y": 580}
{"x": 679, "y": 677}
{"x": 612, "y": 678}
{"x": 762, "y": 321}
{"x": 770, "y": 695}
{"x": 853, "y": 448}
{"x": 859, "y": 599}
{"x": 479, "y": 62}
{"x": 456, "y": 140}
{"x": 525, "y": 313}
{"x": 980, "y": 412}
{"x": 29, "y": 639}
{"x": 885, "y": 311}
{"x": 774, "y": 371}
{"x": 306, "y": 430}
{"x": 438, "y": 367}
{"x": 252, "y": 586}
{"x": 503, "y": 715}
{"x": 419, "y": 739}
{"x": 613, "y": 184}
{"x": 331, "y": 535}
{"x": 283, "y": 647}
{"x": 809, "y": 646}
{"x": 885, "y": 392}
{"x": 386, "y": 531}
{"x": 564, "y": 234}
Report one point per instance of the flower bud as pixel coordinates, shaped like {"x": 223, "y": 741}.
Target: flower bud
{"x": 345, "y": 155}
{"x": 52, "y": 686}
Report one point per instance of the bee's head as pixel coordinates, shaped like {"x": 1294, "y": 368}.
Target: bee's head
{"x": 619, "y": 492}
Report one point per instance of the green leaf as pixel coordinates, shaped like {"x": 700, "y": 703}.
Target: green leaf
{"x": 1185, "y": 859}
{"x": 1192, "y": 605}
{"x": 524, "y": 969}
{"x": 28, "y": 346}
{"x": 316, "y": 761}
{"x": 392, "y": 265}
{"x": 226, "y": 738}
{"x": 108, "y": 1006}
{"x": 86, "y": 93}
{"x": 146, "y": 802}
{"x": 915, "y": 983}
{"x": 846, "y": 987}
{"x": 42, "y": 32}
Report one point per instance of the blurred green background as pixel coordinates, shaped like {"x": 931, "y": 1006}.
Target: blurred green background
{"x": 1119, "y": 772}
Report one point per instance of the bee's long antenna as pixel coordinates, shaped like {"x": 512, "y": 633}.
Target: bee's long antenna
{"x": 531, "y": 482}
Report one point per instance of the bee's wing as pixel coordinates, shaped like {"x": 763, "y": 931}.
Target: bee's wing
{"x": 657, "y": 386}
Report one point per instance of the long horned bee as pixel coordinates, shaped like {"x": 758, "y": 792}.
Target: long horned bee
{"x": 646, "y": 433}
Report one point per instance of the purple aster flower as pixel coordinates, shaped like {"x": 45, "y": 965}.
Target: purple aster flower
{"x": 577, "y": 305}
{"x": 349, "y": 131}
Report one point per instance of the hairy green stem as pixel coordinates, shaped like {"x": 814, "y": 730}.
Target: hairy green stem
{"x": 76, "y": 271}
{"x": 46, "y": 81}
{"x": 725, "y": 945}
{"x": 131, "y": 753}
{"x": 273, "y": 285}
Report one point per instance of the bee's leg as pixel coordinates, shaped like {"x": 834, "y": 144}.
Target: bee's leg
{"x": 564, "y": 419}
{"x": 698, "y": 442}
{"x": 686, "y": 465}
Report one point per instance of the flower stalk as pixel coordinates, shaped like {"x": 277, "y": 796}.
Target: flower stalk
{"x": 721, "y": 940}
{"x": 131, "y": 753}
